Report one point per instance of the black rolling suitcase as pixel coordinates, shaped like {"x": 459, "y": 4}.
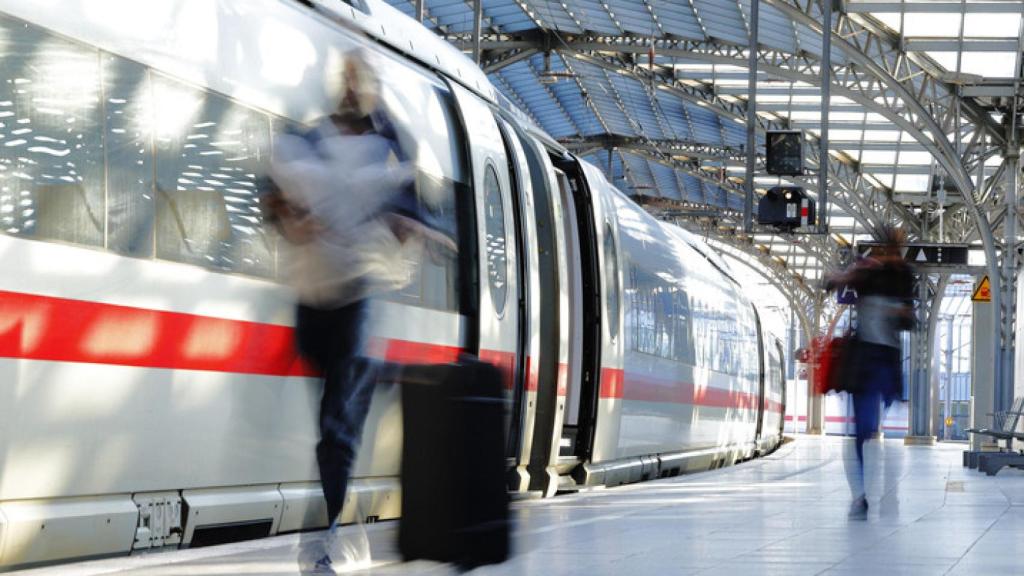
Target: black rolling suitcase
{"x": 454, "y": 497}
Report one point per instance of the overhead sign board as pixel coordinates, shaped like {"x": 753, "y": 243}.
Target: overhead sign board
{"x": 784, "y": 152}
{"x": 983, "y": 291}
{"x": 923, "y": 253}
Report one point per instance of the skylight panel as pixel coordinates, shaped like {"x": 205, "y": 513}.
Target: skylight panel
{"x": 854, "y": 135}
{"x": 989, "y": 64}
{"x": 846, "y": 116}
{"x": 890, "y": 19}
{"x": 945, "y": 59}
{"x": 695, "y": 66}
{"x": 912, "y": 182}
{"x": 842, "y": 221}
{"x": 878, "y": 157}
{"x": 773, "y": 98}
{"x": 915, "y": 157}
{"x": 932, "y": 25}
{"x": 804, "y": 115}
{"x": 985, "y": 25}
{"x": 881, "y": 135}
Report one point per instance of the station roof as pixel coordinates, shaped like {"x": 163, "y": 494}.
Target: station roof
{"x": 656, "y": 93}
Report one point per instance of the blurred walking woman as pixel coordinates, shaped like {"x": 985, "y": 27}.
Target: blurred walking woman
{"x": 872, "y": 368}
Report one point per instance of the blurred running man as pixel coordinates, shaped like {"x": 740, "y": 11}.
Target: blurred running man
{"x": 873, "y": 374}
{"x": 346, "y": 200}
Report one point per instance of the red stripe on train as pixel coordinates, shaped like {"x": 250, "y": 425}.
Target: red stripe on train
{"x": 35, "y": 327}
{"x": 616, "y": 383}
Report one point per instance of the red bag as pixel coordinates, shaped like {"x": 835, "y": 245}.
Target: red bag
{"x": 828, "y": 361}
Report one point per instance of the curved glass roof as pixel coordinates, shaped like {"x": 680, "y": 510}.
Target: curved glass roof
{"x": 655, "y": 93}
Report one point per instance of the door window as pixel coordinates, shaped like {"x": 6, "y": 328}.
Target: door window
{"x": 497, "y": 257}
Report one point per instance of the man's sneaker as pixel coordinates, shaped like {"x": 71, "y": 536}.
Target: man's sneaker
{"x": 313, "y": 560}
{"x": 859, "y": 508}
{"x": 348, "y": 549}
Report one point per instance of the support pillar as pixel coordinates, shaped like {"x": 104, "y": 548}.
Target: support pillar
{"x": 751, "y": 151}
{"x": 815, "y": 402}
{"x": 983, "y": 354}
{"x": 922, "y": 363}
{"x": 478, "y": 18}
{"x": 1004, "y": 389}
{"x": 826, "y": 103}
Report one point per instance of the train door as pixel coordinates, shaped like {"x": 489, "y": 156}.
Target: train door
{"x": 780, "y": 375}
{"x": 525, "y": 404}
{"x": 762, "y": 384}
{"x": 585, "y": 314}
{"x": 498, "y": 319}
{"x": 574, "y": 272}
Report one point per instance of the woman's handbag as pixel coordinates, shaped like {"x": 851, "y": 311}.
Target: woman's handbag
{"x": 832, "y": 360}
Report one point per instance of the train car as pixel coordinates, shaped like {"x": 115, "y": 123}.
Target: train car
{"x": 150, "y": 395}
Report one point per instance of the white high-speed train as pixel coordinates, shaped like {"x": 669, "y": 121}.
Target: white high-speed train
{"x": 150, "y": 395}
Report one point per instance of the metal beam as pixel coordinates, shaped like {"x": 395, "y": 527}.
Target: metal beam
{"x": 509, "y": 59}
{"x": 867, "y": 82}
{"x": 936, "y": 7}
{"x": 671, "y": 148}
{"x": 478, "y": 17}
{"x": 751, "y": 149}
{"x": 849, "y": 178}
{"x": 919, "y": 44}
{"x": 826, "y": 107}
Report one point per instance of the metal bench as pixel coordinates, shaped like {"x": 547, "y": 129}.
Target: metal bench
{"x": 1004, "y": 428}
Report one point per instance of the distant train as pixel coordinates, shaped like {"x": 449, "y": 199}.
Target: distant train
{"x": 149, "y": 392}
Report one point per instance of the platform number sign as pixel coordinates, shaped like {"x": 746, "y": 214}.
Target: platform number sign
{"x": 846, "y": 295}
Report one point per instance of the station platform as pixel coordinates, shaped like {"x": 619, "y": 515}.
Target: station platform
{"x": 782, "y": 514}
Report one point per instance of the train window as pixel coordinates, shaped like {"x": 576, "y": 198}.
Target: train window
{"x": 51, "y": 161}
{"x": 683, "y": 342}
{"x": 209, "y": 154}
{"x": 494, "y": 226}
{"x": 427, "y": 127}
{"x": 129, "y": 157}
{"x": 611, "y": 280}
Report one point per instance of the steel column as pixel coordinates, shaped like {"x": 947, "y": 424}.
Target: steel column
{"x": 420, "y": 10}
{"x": 751, "y": 151}
{"x": 983, "y": 362}
{"x": 1004, "y": 388}
{"x": 478, "y": 18}
{"x": 919, "y": 413}
{"x": 815, "y": 402}
{"x": 826, "y": 86}
{"x": 923, "y": 354}
{"x": 947, "y": 430}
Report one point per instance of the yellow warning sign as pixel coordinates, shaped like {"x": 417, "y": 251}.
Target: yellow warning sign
{"x": 983, "y": 291}
{"x": 949, "y": 421}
